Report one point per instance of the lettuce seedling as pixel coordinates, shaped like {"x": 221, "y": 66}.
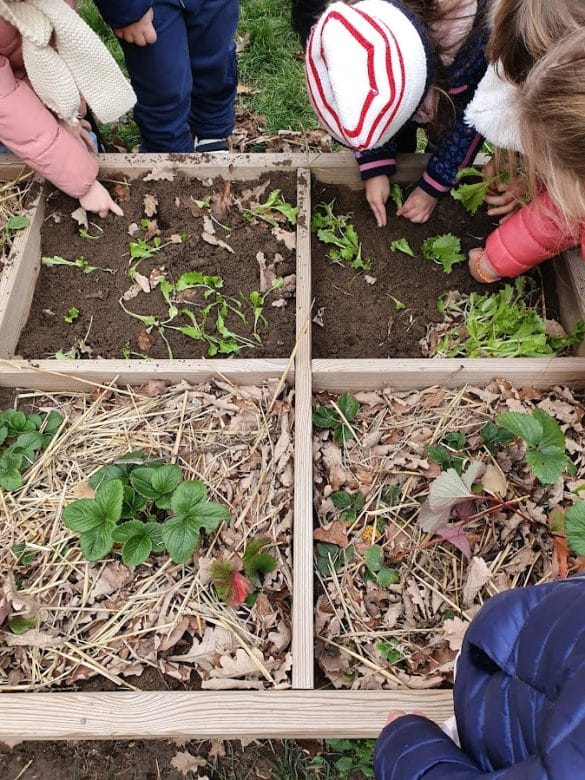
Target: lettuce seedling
{"x": 544, "y": 440}
{"x": 329, "y": 417}
{"x": 402, "y": 245}
{"x": 471, "y": 196}
{"x": 273, "y": 206}
{"x": 80, "y": 263}
{"x": 338, "y": 232}
{"x": 444, "y": 249}
{"x": 72, "y": 315}
{"x": 396, "y": 195}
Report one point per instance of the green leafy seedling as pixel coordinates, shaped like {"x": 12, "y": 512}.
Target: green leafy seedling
{"x": 19, "y": 624}
{"x": 495, "y": 436}
{"x": 544, "y": 440}
{"x": 374, "y": 560}
{"x": 574, "y": 526}
{"x": 331, "y": 557}
{"x": 337, "y": 421}
{"x": 444, "y": 249}
{"x": 138, "y": 540}
{"x": 257, "y": 562}
{"x": 390, "y": 651}
{"x": 271, "y": 208}
{"x": 351, "y": 504}
{"x": 72, "y": 315}
{"x": 80, "y": 263}
{"x": 471, "y": 196}
{"x": 356, "y": 757}
{"x": 337, "y": 232}
{"x": 22, "y": 436}
{"x": 402, "y": 245}
{"x": 396, "y": 195}
{"x": 15, "y": 223}
{"x": 447, "y": 452}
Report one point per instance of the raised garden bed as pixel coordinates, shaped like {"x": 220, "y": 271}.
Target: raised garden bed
{"x": 145, "y": 625}
{"x": 301, "y": 712}
{"x": 398, "y": 583}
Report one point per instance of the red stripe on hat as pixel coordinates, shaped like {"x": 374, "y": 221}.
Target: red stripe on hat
{"x": 369, "y": 48}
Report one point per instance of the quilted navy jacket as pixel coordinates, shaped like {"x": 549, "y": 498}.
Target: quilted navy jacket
{"x": 519, "y": 697}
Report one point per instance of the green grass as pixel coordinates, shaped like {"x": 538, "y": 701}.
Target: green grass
{"x": 270, "y": 64}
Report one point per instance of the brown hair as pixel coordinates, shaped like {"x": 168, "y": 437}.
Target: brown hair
{"x": 524, "y": 30}
{"x": 552, "y": 123}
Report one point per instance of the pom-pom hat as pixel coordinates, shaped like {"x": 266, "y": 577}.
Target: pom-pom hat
{"x": 367, "y": 69}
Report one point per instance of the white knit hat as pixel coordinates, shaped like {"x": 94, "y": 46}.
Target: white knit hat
{"x": 367, "y": 71}
{"x": 494, "y": 111}
{"x": 78, "y": 64}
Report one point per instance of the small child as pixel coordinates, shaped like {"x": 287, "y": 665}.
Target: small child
{"x": 550, "y": 108}
{"x": 181, "y": 58}
{"x": 41, "y": 102}
{"x": 518, "y": 697}
{"x": 378, "y": 69}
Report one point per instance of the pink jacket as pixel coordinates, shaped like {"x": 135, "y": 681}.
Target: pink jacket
{"x": 31, "y": 131}
{"x": 535, "y": 233}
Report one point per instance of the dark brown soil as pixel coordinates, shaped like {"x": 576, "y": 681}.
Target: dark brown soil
{"x": 153, "y": 760}
{"x": 360, "y": 320}
{"x": 103, "y": 327}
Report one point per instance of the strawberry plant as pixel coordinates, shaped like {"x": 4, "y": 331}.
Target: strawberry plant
{"x": 338, "y": 418}
{"x": 501, "y": 324}
{"x": 447, "y": 453}
{"x": 338, "y": 232}
{"x": 375, "y": 569}
{"x": 544, "y": 440}
{"x": 329, "y": 556}
{"x": 351, "y": 504}
{"x": 444, "y": 250}
{"x": 145, "y": 507}
{"x": 236, "y": 587}
{"x": 273, "y": 210}
{"x": 22, "y": 437}
{"x": 574, "y": 527}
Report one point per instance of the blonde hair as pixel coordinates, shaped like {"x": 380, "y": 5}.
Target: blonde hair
{"x": 552, "y": 123}
{"x": 524, "y": 30}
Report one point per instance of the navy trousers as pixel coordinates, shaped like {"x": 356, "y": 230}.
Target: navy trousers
{"x": 186, "y": 82}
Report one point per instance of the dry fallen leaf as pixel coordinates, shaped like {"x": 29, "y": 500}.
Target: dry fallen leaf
{"x": 80, "y": 216}
{"x": 454, "y": 631}
{"x": 245, "y": 90}
{"x": 133, "y": 229}
{"x": 370, "y": 279}
{"x": 211, "y": 239}
{"x": 164, "y": 170}
{"x": 145, "y": 340}
{"x": 122, "y": 191}
{"x": 185, "y": 762}
{"x": 318, "y": 318}
{"x": 478, "y": 574}
{"x": 335, "y": 534}
{"x": 494, "y": 481}
{"x": 150, "y": 205}
{"x": 288, "y": 237}
{"x": 222, "y": 201}
{"x": 142, "y": 282}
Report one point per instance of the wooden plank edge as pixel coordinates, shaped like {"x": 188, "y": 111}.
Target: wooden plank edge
{"x": 302, "y": 607}
{"x": 355, "y": 375}
{"x": 19, "y": 276}
{"x": 570, "y": 285}
{"x": 86, "y": 374}
{"x": 211, "y": 714}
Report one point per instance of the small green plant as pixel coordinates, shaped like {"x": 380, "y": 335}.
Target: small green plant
{"x": 574, "y": 526}
{"x": 271, "y": 209}
{"x": 146, "y": 507}
{"x": 338, "y": 232}
{"x": 398, "y": 305}
{"x": 356, "y": 755}
{"x": 500, "y": 324}
{"x": 15, "y": 223}
{"x": 329, "y": 556}
{"x": 544, "y": 440}
{"x": 471, "y": 196}
{"x": 444, "y": 249}
{"x": 22, "y": 437}
{"x": 80, "y": 263}
{"x": 390, "y": 651}
{"x": 338, "y": 419}
{"x": 447, "y": 453}
{"x": 83, "y": 233}
{"x": 235, "y": 587}
{"x": 351, "y": 504}
{"x": 402, "y": 245}
{"x": 396, "y": 195}
{"x": 375, "y": 569}
{"x": 72, "y": 315}
{"x": 494, "y": 437}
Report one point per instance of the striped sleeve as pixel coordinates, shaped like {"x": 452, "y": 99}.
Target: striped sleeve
{"x": 377, "y": 162}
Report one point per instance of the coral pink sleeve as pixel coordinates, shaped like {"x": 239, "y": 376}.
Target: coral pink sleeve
{"x": 33, "y": 134}
{"x": 533, "y": 234}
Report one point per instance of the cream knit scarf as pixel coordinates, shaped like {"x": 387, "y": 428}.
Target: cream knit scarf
{"x": 78, "y": 65}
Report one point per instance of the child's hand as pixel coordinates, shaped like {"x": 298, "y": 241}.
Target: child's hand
{"x": 418, "y": 207}
{"x": 82, "y": 133}
{"x": 140, "y": 33}
{"x": 480, "y": 267}
{"x": 505, "y": 198}
{"x": 377, "y": 194}
{"x": 98, "y": 200}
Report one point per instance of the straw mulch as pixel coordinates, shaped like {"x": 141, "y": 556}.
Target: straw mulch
{"x": 409, "y": 633}
{"x": 13, "y": 198}
{"x": 106, "y": 619}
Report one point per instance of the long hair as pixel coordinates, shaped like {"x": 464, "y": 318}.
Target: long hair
{"x": 524, "y": 30}
{"x": 552, "y": 123}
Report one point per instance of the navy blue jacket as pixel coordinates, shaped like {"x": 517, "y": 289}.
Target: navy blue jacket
{"x": 120, "y": 14}
{"x": 519, "y": 697}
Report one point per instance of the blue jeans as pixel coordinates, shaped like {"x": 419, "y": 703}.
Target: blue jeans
{"x": 186, "y": 81}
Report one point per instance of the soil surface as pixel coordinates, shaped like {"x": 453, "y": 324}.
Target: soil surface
{"x": 102, "y": 329}
{"x": 361, "y": 320}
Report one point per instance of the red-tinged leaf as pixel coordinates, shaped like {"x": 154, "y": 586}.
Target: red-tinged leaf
{"x": 455, "y": 536}
{"x": 560, "y": 557}
{"x": 239, "y": 589}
